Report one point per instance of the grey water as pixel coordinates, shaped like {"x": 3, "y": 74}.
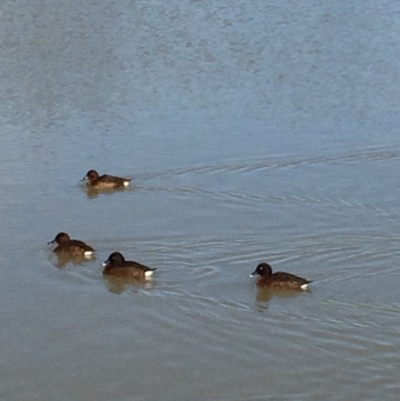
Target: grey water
{"x": 252, "y": 131}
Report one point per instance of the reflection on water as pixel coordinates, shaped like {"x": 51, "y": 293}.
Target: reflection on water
{"x": 254, "y": 131}
{"x": 117, "y": 285}
{"x": 61, "y": 260}
{"x": 265, "y": 294}
{"x": 93, "y": 193}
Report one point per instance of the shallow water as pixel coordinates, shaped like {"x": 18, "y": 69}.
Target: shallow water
{"x": 252, "y": 132}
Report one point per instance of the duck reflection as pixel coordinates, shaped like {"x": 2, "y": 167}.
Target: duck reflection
{"x": 93, "y": 193}
{"x": 62, "y": 260}
{"x": 117, "y": 285}
{"x": 266, "y": 294}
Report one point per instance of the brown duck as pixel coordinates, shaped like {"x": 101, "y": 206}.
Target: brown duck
{"x": 116, "y": 265}
{"x": 96, "y": 181}
{"x": 278, "y": 280}
{"x": 71, "y": 247}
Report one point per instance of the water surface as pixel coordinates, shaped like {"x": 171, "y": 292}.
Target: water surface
{"x": 253, "y": 132}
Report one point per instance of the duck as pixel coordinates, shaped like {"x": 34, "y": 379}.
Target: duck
{"x": 279, "y": 280}
{"x": 71, "y": 247}
{"x": 116, "y": 265}
{"x": 96, "y": 181}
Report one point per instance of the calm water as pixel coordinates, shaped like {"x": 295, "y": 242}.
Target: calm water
{"x": 253, "y": 131}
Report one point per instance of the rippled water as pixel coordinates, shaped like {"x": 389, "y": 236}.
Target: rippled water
{"x": 253, "y": 132}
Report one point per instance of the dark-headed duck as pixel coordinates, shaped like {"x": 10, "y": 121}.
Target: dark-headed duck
{"x": 71, "y": 247}
{"x": 116, "y": 265}
{"x": 96, "y": 181}
{"x": 278, "y": 280}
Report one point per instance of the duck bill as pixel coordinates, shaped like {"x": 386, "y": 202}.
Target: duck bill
{"x": 83, "y": 179}
{"x": 106, "y": 263}
{"x": 52, "y": 242}
{"x": 253, "y": 274}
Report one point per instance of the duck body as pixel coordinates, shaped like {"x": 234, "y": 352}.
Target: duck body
{"x": 279, "y": 280}
{"x": 116, "y": 265}
{"x": 71, "y": 247}
{"x": 105, "y": 181}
